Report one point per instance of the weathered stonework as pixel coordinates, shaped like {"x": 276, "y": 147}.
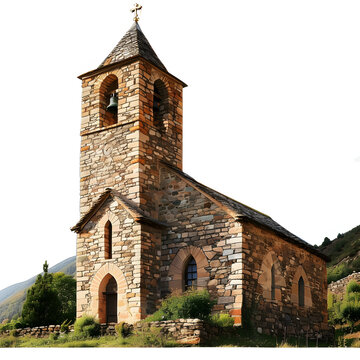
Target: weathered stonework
{"x": 262, "y": 247}
{"x": 131, "y": 178}
{"x": 338, "y": 288}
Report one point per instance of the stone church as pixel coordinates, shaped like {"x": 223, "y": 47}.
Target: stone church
{"x": 147, "y": 229}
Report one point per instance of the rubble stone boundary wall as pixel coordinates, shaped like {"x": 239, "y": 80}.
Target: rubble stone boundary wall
{"x": 39, "y": 331}
{"x": 43, "y": 331}
{"x": 339, "y": 287}
{"x": 184, "y": 331}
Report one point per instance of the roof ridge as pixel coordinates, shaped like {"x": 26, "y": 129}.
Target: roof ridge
{"x": 135, "y": 211}
{"x": 243, "y": 211}
{"x": 133, "y": 43}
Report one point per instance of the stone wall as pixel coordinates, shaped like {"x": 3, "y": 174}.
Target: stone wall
{"x": 187, "y": 331}
{"x": 184, "y": 331}
{"x": 338, "y": 288}
{"x": 39, "y": 331}
{"x": 93, "y": 270}
{"x": 262, "y": 248}
{"x": 124, "y": 156}
{"x": 115, "y": 155}
{"x": 200, "y": 228}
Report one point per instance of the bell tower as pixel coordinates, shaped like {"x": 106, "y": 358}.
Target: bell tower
{"x": 131, "y": 122}
{"x": 131, "y": 119}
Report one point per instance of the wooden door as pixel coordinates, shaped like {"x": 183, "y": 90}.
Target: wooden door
{"x": 111, "y": 301}
{"x": 111, "y": 308}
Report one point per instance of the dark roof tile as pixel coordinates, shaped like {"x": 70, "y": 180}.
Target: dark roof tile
{"x": 133, "y": 43}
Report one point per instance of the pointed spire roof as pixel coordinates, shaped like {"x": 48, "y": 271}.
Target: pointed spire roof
{"x": 133, "y": 43}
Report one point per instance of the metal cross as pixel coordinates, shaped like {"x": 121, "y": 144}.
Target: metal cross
{"x": 136, "y": 8}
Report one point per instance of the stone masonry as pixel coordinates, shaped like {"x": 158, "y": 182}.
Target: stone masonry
{"x": 131, "y": 178}
{"x": 338, "y": 288}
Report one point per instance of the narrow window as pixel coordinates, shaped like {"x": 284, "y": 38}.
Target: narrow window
{"x": 190, "y": 274}
{"x": 301, "y": 291}
{"x": 273, "y": 282}
{"x": 108, "y": 240}
{"x": 160, "y": 105}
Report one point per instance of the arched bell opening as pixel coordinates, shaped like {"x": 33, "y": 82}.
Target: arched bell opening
{"x": 160, "y": 105}
{"x": 108, "y": 300}
{"x": 109, "y": 101}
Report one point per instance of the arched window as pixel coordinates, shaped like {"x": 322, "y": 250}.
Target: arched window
{"x": 190, "y": 273}
{"x": 160, "y": 104}
{"x": 301, "y": 291}
{"x": 273, "y": 283}
{"x": 108, "y": 101}
{"x": 108, "y": 240}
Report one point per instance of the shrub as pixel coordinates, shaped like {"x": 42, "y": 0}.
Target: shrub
{"x": 6, "y": 326}
{"x": 353, "y": 287}
{"x": 64, "y": 327}
{"x": 222, "y": 320}
{"x": 54, "y": 336}
{"x": 351, "y": 312}
{"x": 13, "y": 333}
{"x": 338, "y": 272}
{"x": 123, "y": 329}
{"x": 87, "y": 326}
{"x": 193, "y": 304}
{"x": 152, "y": 337}
{"x": 18, "y": 323}
{"x": 13, "y": 324}
{"x": 156, "y": 316}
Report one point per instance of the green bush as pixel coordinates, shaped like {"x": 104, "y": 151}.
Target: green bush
{"x": 338, "y": 272}
{"x": 152, "y": 337}
{"x": 222, "y": 320}
{"x": 157, "y": 316}
{"x": 87, "y": 326}
{"x": 13, "y": 333}
{"x": 54, "y": 336}
{"x": 351, "y": 312}
{"x": 13, "y": 324}
{"x": 353, "y": 287}
{"x": 193, "y": 304}
{"x": 123, "y": 329}
{"x": 65, "y": 326}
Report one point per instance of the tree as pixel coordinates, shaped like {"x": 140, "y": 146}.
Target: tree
{"x": 326, "y": 242}
{"x": 42, "y": 305}
{"x": 65, "y": 286}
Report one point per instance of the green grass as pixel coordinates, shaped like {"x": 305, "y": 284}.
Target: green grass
{"x": 150, "y": 338}
{"x": 153, "y": 338}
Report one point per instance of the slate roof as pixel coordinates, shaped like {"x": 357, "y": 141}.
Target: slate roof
{"x": 128, "y": 205}
{"x": 244, "y": 212}
{"x": 133, "y": 43}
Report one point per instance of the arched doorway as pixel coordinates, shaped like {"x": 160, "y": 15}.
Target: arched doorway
{"x": 110, "y": 294}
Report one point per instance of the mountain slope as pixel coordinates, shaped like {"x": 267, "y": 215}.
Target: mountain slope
{"x": 12, "y": 298}
{"x": 344, "y": 253}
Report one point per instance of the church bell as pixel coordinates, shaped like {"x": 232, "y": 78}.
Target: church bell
{"x": 113, "y": 104}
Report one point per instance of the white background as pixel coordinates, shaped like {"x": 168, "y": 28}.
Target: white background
{"x": 271, "y": 114}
